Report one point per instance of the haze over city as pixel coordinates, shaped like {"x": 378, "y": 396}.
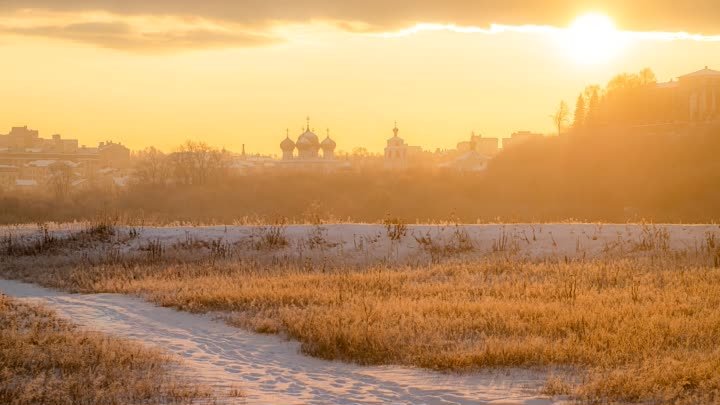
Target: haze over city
{"x": 163, "y": 73}
{"x": 344, "y": 202}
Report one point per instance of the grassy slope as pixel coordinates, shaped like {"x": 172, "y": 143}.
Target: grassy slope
{"x": 46, "y": 360}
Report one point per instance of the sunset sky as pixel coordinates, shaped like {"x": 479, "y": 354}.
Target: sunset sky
{"x": 241, "y": 72}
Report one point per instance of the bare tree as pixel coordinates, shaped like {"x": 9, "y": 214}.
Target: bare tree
{"x": 647, "y": 76}
{"x": 197, "y": 163}
{"x": 152, "y": 167}
{"x": 360, "y": 153}
{"x": 60, "y": 179}
{"x": 561, "y": 116}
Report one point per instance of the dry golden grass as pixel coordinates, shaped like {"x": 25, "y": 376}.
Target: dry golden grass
{"x": 45, "y": 360}
{"x": 641, "y": 329}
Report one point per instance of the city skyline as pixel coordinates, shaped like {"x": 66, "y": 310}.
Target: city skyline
{"x": 159, "y": 75}
{"x": 451, "y": 143}
{"x": 81, "y": 145}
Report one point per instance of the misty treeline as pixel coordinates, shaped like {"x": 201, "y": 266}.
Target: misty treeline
{"x": 196, "y": 163}
{"x": 627, "y": 99}
{"x": 193, "y": 163}
{"x": 602, "y": 169}
{"x": 615, "y": 177}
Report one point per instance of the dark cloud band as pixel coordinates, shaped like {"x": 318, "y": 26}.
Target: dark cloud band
{"x": 702, "y": 16}
{"x": 699, "y": 16}
{"x": 121, "y": 36}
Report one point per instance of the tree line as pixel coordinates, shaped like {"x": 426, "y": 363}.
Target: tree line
{"x": 193, "y": 163}
{"x": 617, "y": 177}
{"x": 628, "y": 99}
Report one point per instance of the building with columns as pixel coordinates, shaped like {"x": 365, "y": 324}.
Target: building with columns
{"x": 693, "y": 98}
{"x": 701, "y": 90}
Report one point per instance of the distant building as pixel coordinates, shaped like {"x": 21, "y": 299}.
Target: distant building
{"x": 40, "y": 170}
{"x": 483, "y": 146}
{"x": 694, "y": 97}
{"x": 8, "y": 176}
{"x": 396, "y": 151}
{"x": 28, "y": 158}
{"x": 305, "y": 152}
{"x": 23, "y": 145}
{"x": 60, "y": 145}
{"x": 469, "y": 161}
{"x": 115, "y": 155}
{"x": 20, "y": 138}
{"x": 519, "y": 138}
{"x": 399, "y": 155}
{"x": 28, "y": 140}
{"x": 247, "y": 164}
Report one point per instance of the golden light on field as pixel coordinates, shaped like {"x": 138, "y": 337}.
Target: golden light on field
{"x": 593, "y": 39}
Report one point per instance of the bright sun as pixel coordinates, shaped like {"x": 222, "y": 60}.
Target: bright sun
{"x": 593, "y": 39}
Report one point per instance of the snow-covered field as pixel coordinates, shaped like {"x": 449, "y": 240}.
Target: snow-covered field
{"x": 363, "y": 243}
{"x": 270, "y": 370}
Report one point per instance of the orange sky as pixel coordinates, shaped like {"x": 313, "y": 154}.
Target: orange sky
{"x": 149, "y": 78}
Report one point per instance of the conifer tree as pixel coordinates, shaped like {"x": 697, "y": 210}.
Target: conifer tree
{"x": 580, "y": 113}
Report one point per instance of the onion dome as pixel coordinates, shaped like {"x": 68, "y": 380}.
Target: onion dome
{"x": 287, "y": 145}
{"x": 308, "y": 139}
{"x": 396, "y": 139}
{"x": 328, "y": 144}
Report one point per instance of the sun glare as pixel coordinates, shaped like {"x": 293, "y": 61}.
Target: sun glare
{"x": 593, "y": 39}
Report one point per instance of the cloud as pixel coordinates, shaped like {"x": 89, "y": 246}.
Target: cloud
{"x": 124, "y": 36}
{"x": 242, "y": 23}
{"x": 699, "y": 16}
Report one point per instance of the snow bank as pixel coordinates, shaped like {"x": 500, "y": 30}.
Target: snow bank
{"x": 270, "y": 370}
{"x": 355, "y": 243}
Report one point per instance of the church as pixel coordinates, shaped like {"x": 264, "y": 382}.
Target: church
{"x": 305, "y": 153}
{"x": 398, "y": 154}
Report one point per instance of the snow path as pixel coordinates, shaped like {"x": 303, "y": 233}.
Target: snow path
{"x": 270, "y": 370}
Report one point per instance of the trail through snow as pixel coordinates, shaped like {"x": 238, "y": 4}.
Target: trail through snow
{"x": 269, "y": 369}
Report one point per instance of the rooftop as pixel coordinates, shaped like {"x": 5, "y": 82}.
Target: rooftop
{"x": 707, "y": 72}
